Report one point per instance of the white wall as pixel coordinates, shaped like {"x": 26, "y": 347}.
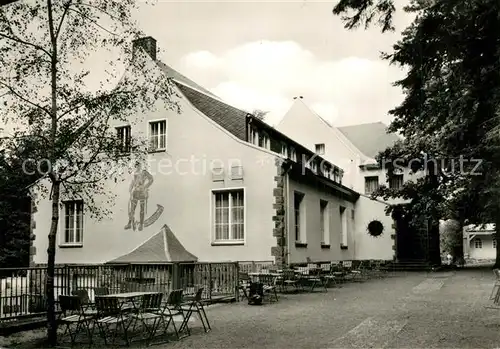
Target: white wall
{"x": 184, "y": 190}
{"x": 486, "y": 252}
{"x": 367, "y": 246}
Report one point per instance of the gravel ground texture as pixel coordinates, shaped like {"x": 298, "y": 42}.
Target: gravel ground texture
{"x": 448, "y": 309}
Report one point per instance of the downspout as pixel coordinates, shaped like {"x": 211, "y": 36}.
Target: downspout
{"x": 286, "y": 249}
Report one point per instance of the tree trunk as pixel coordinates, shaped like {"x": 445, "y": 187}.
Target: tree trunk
{"x": 497, "y": 232}
{"x": 51, "y": 250}
{"x": 51, "y": 254}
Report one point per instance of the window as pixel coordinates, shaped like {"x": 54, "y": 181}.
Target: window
{"x": 253, "y": 136}
{"x": 73, "y": 222}
{"x": 263, "y": 140}
{"x": 396, "y": 181}
{"x": 320, "y": 148}
{"x": 284, "y": 150}
{"x": 371, "y": 184}
{"x": 336, "y": 175}
{"x": 494, "y": 243}
{"x": 124, "y": 136}
{"x": 299, "y": 222}
{"x": 324, "y": 221}
{"x": 478, "y": 243}
{"x": 229, "y": 215}
{"x": 158, "y": 135}
{"x": 293, "y": 155}
{"x": 343, "y": 227}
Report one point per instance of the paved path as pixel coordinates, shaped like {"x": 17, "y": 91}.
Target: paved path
{"x": 408, "y": 310}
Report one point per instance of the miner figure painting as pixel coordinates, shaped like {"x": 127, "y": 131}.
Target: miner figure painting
{"x": 139, "y": 190}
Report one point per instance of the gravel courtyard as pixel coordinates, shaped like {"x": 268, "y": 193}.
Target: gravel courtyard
{"x": 405, "y": 310}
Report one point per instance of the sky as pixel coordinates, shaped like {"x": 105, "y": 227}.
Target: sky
{"x": 262, "y": 54}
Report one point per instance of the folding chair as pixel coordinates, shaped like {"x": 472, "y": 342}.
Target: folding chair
{"x": 73, "y": 315}
{"x": 88, "y": 308}
{"x": 171, "y": 309}
{"x": 338, "y": 272}
{"x": 244, "y": 284}
{"x": 149, "y": 311}
{"x": 347, "y": 270}
{"x": 289, "y": 279}
{"x": 357, "y": 270}
{"x": 269, "y": 285}
{"x": 110, "y": 314}
{"x": 101, "y": 291}
{"x": 195, "y": 306}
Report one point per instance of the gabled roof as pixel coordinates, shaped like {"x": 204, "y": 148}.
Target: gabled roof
{"x": 371, "y": 138}
{"x": 234, "y": 120}
{"x": 162, "y": 247}
{"x": 301, "y": 111}
{"x": 230, "y": 118}
{"x": 490, "y": 227}
{"x": 174, "y": 74}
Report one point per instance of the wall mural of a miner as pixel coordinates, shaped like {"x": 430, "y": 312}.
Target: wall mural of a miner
{"x": 139, "y": 193}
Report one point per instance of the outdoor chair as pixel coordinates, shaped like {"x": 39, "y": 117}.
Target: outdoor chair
{"x": 88, "y": 307}
{"x": 338, "y": 271}
{"x": 149, "y": 315}
{"x": 111, "y": 319}
{"x": 312, "y": 266}
{"x": 74, "y": 318}
{"x": 101, "y": 291}
{"x": 195, "y": 306}
{"x": 269, "y": 285}
{"x": 357, "y": 270}
{"x": 314, "y": 278}
{"x": 171, "y": 309}
{"x": 348, "y": 271}
{"x": 289, "y": 279}
{"x": 309, "y": 277}
{"x": 244, "y": 284}
{"x": 327, "y": 273}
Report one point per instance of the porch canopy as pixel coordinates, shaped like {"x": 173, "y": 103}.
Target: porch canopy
{"x": 161, "y": 248}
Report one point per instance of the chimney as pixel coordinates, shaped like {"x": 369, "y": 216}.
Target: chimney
{"x": 148, "y": 44}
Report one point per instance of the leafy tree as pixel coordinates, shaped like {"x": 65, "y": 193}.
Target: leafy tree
{"x": 15, "y": 203}
{"x": 451, "y": 237}
{"x": 260, "y": 114}
{"x": 451, "y": 52}
{"x": 43, "y": 89}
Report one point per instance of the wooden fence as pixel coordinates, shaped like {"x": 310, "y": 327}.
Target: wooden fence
{"x": 22, "y": 290}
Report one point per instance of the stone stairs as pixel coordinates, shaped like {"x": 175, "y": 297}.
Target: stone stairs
{"x": 410, "y": 265}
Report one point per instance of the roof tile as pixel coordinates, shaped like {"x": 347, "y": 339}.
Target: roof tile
{"x": 371, "y": 138}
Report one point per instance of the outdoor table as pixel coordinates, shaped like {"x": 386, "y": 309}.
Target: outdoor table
{"x": 128, "y": 298}
{"x": 129, "y": 304}
{"x": 256, "y": 276}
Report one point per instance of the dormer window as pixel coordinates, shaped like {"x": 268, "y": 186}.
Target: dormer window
{"x": 284, "y": 149}
{"x": 253, "y": 136}
{"x": 336, "y": 175}
{"x": 293, "y": 154}
{"x": 320, "y": 148}
{"x": 263, "y": 140}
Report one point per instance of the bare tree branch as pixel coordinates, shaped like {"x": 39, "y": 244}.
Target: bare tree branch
{"x": 93, "y": 21}
{"x": 66, "y": 7}
{"x": 12, "y": 91}
{"x": 26, "y": 43}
